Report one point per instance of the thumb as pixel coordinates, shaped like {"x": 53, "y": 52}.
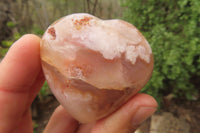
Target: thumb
{"x": 129, "y": 116}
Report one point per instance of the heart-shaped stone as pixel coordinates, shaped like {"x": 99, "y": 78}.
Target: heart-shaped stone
{"x": 94, "y": 66}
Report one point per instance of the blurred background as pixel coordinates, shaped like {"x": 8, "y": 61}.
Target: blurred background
{"x": 172, "y": 29}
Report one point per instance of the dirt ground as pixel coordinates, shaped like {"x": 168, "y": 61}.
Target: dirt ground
{"x": 188, "y": 110}
{"x": 42, "y": 111}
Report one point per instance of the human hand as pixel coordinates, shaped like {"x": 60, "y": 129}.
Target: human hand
{"x": 21, "y": 78}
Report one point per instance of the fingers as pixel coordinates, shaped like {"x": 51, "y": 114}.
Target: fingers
{"x": 61, "y": 122}
{"x": 20, "y": 80}
{"x": 125, "y": 120}
{"x": 128, "y": 117}
{"x": 21, "y": 65}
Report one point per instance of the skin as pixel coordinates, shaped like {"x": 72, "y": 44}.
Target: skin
{"x": 21, "y": 78}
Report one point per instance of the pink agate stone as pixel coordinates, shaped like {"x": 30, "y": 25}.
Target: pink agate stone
{"x": 94, "y": 66}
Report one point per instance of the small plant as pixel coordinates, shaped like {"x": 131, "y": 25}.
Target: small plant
{"x": 172, "y": 28}
{"x": 35, "y": 125}
{"x": 44, "y": 92}
{"x": 6, "y": 44}
{"x": 11, "y": 24}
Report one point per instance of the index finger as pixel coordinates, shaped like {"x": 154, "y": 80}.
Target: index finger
{"x": 20, "y": 80}
{"x": 21, "y": 65}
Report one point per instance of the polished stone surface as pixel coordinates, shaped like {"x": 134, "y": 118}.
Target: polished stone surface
{"x": 94, "y": 66}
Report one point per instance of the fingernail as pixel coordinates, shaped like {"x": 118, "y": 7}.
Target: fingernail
{"x": 142, "y": 114}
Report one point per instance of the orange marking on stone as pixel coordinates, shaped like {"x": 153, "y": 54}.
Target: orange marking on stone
{"x": 82, "y": 22}
{"x": 68, "y": 83}
{"x": 52, "y": 32}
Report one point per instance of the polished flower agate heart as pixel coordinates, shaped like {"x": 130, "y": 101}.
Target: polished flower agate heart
{"x": 94, "y": 66}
